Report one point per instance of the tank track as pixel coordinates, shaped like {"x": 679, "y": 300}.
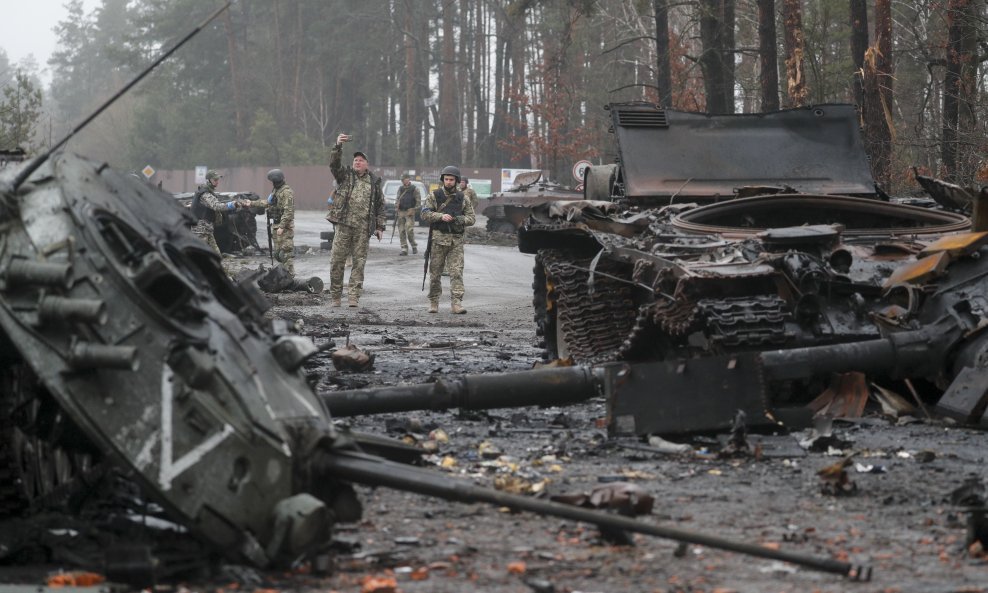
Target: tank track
{"x": 33, "y": 471}
{"x": 745, "y": 321}
{"x": 593, "y": 328}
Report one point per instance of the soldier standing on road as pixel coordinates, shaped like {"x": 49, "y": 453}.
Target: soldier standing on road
{"x": 469, "y": 193}
{"x": 206, "y": 206}
{"x": 449, "y": 213}
{"x": 407, "y": 202}
{"x": 358, "y": 212}
{"x": 281, "y": 208}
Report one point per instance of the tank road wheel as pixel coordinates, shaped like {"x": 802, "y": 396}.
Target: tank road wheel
{"x": 31, "y": 467}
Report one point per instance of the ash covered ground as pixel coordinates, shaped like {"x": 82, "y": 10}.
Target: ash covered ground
{"x": 905, "y": 518}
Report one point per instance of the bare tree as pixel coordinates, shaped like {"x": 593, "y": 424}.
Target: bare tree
{"x": 768, "y": 56}
{"x": 792, "y": 20}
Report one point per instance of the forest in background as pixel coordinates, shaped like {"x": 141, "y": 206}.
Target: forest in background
{"x": 498, "y": 83}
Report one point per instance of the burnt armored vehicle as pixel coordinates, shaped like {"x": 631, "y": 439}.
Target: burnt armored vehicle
{"x": 508, "y": 210}
{"x": 795, "y": 247}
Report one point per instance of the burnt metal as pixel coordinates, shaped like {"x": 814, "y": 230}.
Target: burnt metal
{"x": 544, "y": 387}
{"x": 699, "y": 156}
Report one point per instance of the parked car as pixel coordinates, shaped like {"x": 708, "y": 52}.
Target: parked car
{"x": 390, "y": 190}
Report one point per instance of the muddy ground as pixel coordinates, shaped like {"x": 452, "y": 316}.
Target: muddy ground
{"x": 902, "y": 520}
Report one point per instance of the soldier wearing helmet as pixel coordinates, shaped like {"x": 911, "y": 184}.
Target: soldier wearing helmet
{"x": 448, "y": 213}
{"x": 468, "y": 192}
{"x": 358, "y": 212}
{"x": 281, "y": 208}
{"x": 207, "y": 206}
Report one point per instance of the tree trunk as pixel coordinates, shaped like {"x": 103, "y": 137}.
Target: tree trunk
{"x": 957, "y": 17}
{"x": 792, "y": 18}
{"x": 448, "y": 132}
{"x": 859, "y": 44}
{"x": 411, "y": 105}
{"x": 768, "y": 56}
{"x": 712, "y": 58}
{"x": 233, "y": 57}
{"x": 662, "y": 67}
{"x": 482, "y": 130}
{"x": 519, "y": 126}
{"x": 728, "y": 48}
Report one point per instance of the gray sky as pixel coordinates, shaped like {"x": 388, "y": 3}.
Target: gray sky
{"x": 26, "y": 28}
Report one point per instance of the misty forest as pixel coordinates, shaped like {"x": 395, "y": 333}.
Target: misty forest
{"x": 498, "y": 83}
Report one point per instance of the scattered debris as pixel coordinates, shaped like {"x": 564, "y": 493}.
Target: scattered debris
{"x": 352, "y": 358}
{"x": 834, "y": 480}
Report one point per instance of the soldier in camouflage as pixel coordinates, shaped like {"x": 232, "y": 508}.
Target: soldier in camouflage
{"x": 469, "y": 193}
{"x": 281, "y": 207}
{"x": 206, "y": 208}
{"x": 448, "y": 213}
{"x": 406, "y": 203}
{"x": 358, "y": 212}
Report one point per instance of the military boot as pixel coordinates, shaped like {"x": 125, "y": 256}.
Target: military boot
{"x": 337, "y": 302}
{"x": 457, "y": 308}
{"x": 352, "y": 300}
{"x": 414, "y": 250}
{"x": 403, "y": 252}
{"x": 433, "y": 306}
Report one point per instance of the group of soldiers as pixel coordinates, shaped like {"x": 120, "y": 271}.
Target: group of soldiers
{"x": 357, "y": 211}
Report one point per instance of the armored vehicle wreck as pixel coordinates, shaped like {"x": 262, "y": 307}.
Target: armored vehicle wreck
{"x": 794, "y": 249}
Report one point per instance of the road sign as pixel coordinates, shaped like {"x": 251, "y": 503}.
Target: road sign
{"x": 580, "y": 168}
{"x": 201, "y": 174}
{"x": 148, "y": 171}
{"x": 579, "y": 187}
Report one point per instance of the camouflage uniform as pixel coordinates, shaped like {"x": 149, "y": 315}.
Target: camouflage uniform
{"x": 281, "y": 204}
{"x": 405, "y": 217}
{"x": 208, "y": 212}
{"x": 357, "y": 211}
{"x": 472, "y": 196}
{"x": 447, "y": 241}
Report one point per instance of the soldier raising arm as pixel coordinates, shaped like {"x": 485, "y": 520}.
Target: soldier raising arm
{"x": 358, "y": 209}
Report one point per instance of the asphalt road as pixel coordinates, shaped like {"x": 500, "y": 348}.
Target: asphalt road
{"x": 498, "y": 279}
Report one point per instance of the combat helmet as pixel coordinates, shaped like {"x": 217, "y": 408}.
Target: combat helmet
{"x": 450, "y": 170}
{"x": 276, "y": 176}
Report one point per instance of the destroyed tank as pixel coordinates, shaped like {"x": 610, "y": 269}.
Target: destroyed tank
{"x": 508, "y": 210}
{"x": 791, "y": 248}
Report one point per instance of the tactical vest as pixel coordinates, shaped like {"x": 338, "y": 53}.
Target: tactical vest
{"x": 199, "y": 210}
{"x": 454, "y": 207}
{"x": 406, "y": 197}
{"x": 275, "y": 210}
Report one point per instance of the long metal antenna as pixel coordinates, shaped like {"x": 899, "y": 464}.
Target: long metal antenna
{"x": 37, "y": 162}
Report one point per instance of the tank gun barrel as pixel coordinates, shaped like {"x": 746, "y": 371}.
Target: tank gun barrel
{"x": 541, "y": 387}
{"x": 915, "y": 353}
{"x": 372, "y": 471}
